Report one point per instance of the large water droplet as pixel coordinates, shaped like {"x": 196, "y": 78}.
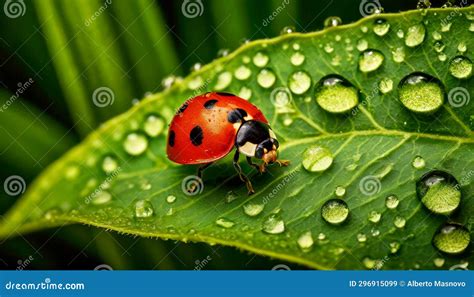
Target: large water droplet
{"x": 101, "y": 197}
{"x": 143, "y": 209}
{"x": 305, "y": 241}
{"x": 317, "y": 159}
{"x": 335, "y": 94}
{"x": 335, "y": 211}
{"x": 381, "y": 27}
{"x": 460, "y": 67}
{"x": 418, "y": 162}
{"x": 109, "y": 164}
{"x": 297, "y": 59}
{"x": 266, "y": 78}
{"x": 421, "y": 93}
{"x": 299, "y": 82}
{"x": 273, "y": 224}
{"x": 260, "y": 59}
{"x": 452, "y": 239}
{"x": 242, "y": 72}
{"x": 370, "y": 60}
{"x": 135, "y": 144}
{"x": 439, "y": 191}
{"x": 154, "y": 125}
{"x": 253, "y": 209}
{"x": 225, "y": 223}
{"x": 332, "y": 21}
{"x": 391, "y": 202}
{"x": 415, "y": 35}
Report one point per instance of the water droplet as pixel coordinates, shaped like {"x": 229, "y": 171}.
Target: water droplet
{"x": 101, "y": 197}
{"x": 266, "y": 78}
{"x": 305, "y": 241}
{"x": 145, "y": 186}
{"x": 445, "y": 26}
{"x": 335, "y": 94}
{"x": 245, "y": 93}
{"x": 361, "y": 237}
{"x": 169, "y": 81}
{"x": 242, "y": 72}
{"x": 135, "y": 144}
{"x": 375, "y": 232}
{"x": 362, "y": 45}
{"x": 439, "y": 46}
{"x": 154, "y": 125}
{"x": 328, "y": 48}
{"x": 296, "y": 46}
{"x": 273, "y": 224}
{"x": 394, "y": 247}
{"x": 109, "y": 164}
{"x": 260, "y": 59}
{"x": 423, "y": 4}
{"x": 391, "y": 202}
{"x": 418, "y": 162}
{"x": 421, "y": 93}
{"x": 297, "y": 59}
{"x": 246, "y": 59}
{"x": 385, "y": 85}
{"x": 364, "y": 29}
{"x": 332, "y": 21}
{"x": 452, "y": 239}
{"x": 317, "y": 159}
{"x": 171, "y": 199}
{"x": 400, "y": 33}
{"x": 415, "y": 35}
{"x": 335, "y": 211}
{"x": 299, "y": 82}
{"x": 471, "y": 27}
{"x": 223, "y": 52}
{"x": 442, "y": 57}
{"x": 224, "y": 223}
{"x": 351, "y": 167}
{"x": 143, "y": 209}
{"x": 381, "y": 27}
{"x": 223, "y": 81}
{"x": 460, "y": 67}
{"x": 369, "y": 263}
{"x": 287, "y": 30}
{"x": 72, "y": 172}
{"x": 370, "y": 60}
{"x": 195, "y": 83}
{"x": 253, "y": 209}
{"x": 398, "y": 54}
{"x": 340, "y": 191}
{"x": 321, "y": 236}
{"x": 436, "y": 35}
{"x": 196, "y": 67}
{"x": 399, "y": 222}
{"x": 439, "y": 191}
{"x": 462, "y": 47}
{"x": 375, "y": 216}
{"x": 438, "y": 262}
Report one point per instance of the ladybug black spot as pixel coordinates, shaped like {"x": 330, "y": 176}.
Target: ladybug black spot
{"x": 236, "y": 115}
{"x": 171, "y": 138}
{"x": 225, "y": 94}
{"x": 196, "y": 136}
{"x": 209, "y": 104}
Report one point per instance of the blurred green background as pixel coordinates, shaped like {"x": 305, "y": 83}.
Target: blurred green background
{"x": 55, "y": 53}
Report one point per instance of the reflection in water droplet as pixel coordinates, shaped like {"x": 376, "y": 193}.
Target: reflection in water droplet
{"x": 370, "y": 60}
{"x": 439, "y": 191}
{"x": 421, "y": 92}
{"x": 253, "y": 209}
{"x": 299, "y": 82}
{"x": 335, "y": 211}
{"x": 224, "y": 223}
{"x": 452, "y": 239}
{"x": 273, "y": 224}
{"x": 135, "y": 144}
{"x": 154, "y": 125}
{"x": 415, "y": 35}
{"x": 460, "y": 67}
{"x": 418, "y": 162}
{"x": 381, "y": 27}
{"x": 143, "y": 209}
{"x": 266, "y": 78}
{"x": 317, "y": 159}
{"x": 195, "y": 83}
{"x": 400, "y": 33}
{"x": 328, "y": 48}
{"x": 335, "y": 94}
{"x": 442, "y": 57}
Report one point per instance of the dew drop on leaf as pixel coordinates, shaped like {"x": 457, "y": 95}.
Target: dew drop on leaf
{"x": 385, "y": 85}
{"x": 418, "y": 162}
{"x": 394, "y": 247}
{"x": 439, "y": 46}
{"x": 109, "y": 164}
{"x": 335, "y": 94}
{"x": 332, "y": 21}
{"x": 195, "y": 83}
{"x": 72, "y": 172}
{"x": 223, "y": 81}
{"x": 399, "y": 222}
{"x": 381, "y": 27}
{"x": 135, "y": 144}
{"x": 361, "y": 237}
{"x": 445, "y": 26}
{"x": 400, "y": 33}
{"x": 101, "y": 197}
{"x": 421, "y": 93}
{"x": 225, "y": 223}
{"x": 317, "y": 159}
{"x": 438, "y": 262}
{"x": 462, "y": 47}
{"x": 374, "y": 216}
{"x": 287, "y": 30}
{"x": 460, "y": 67}
{"x": 273, "y": 224}
{"x": 362, "y": 44}
{"x": 305, "y": 241}
{"x": 253, "y": 209}
{"x": 415, "y": 35}
{"x": 171, "y": 199}
{"x": 321, "y": 236}
{"x": 245, "y": 93}
{"x": 143, "y": 209}
{"x": 154, "y": 125}
{"x": 297, "y": 59}
{"x": 242, "y": 72}
{"x": 442, "y": 57}
{"x": 398, "y": 54}
{"x": 452, "y": 239}
{"x": 335, "y": 211}
{"x": 266, "y": 78}
{"x": 299, "y": 82}
{"x": 260, "y": 59}
{"x": 370, "y": 60}
{"x": 340, "y": 191}
{"x": 328, "y": 48}
{"x": 439, "y": 191}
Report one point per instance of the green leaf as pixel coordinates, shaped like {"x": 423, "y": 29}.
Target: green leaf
{"x": 379, "y": 139}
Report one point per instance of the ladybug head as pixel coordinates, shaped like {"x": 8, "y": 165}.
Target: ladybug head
{"x": 256, "y": 139}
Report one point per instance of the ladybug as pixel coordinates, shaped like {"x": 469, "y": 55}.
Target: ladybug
{"x": 207, "y": 127}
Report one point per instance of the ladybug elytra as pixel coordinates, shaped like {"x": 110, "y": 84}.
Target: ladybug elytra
{"x": 207, "y": 127}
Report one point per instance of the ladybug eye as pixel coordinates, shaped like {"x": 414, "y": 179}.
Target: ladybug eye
{"x": 275, "y": 143}
{"x": 259, "y": 153}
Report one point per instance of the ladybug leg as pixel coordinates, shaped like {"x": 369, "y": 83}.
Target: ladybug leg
{"x": 241, "y": 174}
{"x": 283, "y": 162}
{"x": 256, "y": 166}
{"x": 202, "y": 168}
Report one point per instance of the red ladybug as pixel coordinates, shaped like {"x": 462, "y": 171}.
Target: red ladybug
{"x": 207, "y": 127}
